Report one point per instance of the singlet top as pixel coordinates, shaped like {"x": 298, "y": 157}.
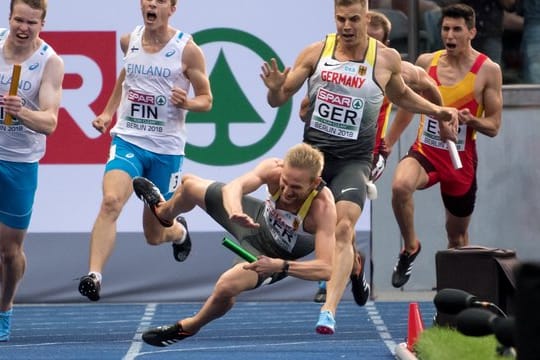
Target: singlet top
{"x": 459, "y": 95}
{"x": 17, "y": 142}
{"x": 287, "y": 228}
{"x": 344, "y": 104}
{"x": 146, "y": 117}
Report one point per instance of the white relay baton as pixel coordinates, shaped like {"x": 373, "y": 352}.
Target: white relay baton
{"x": 452, "y": 149}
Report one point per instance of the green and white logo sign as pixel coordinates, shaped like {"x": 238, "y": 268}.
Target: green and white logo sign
{"x": 233, "y": 105}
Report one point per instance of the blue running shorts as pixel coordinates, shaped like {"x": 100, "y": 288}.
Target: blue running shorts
{"x": 162, "y": 170}
{"x": 18, "y": 184}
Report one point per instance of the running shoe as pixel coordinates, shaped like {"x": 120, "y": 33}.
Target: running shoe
{"x": 326, "y": 324}
{"x": 320, "y": 295}
{"x": 5, "y": 324}
{"x": 359, "y": 286}
{"x": 181, "y": 251}
{"x": 150, "y": 195}
{"x": 165, "y": 335}
{"x": 89, "y": 286}
{"x": 403, "y": 268}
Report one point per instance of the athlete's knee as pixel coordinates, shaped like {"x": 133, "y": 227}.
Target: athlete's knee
{"x": 9, "y": 254}
{"x": 344, "y": 232}
{"x": 401, "y": 189}
{"x": 112, "y": 204}
{"x": 225, "y": 291}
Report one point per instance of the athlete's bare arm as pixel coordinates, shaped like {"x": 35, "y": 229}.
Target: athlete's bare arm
{"x": 488, "y": 91}
{"x": 267, "y": 172}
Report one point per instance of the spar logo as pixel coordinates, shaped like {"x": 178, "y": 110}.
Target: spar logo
{"x": 240, "y": 127}
{"x": 239, "y": 107}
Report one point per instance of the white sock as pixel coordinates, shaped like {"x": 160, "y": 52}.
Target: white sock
{"x": 184, "y": 235}
{"x": 97, "y": 274}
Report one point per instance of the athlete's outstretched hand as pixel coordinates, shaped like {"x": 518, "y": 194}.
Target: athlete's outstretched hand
{"x": 272, "y": 77}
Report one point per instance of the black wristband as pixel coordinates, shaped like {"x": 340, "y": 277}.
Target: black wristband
{"x": 285, "y": 268}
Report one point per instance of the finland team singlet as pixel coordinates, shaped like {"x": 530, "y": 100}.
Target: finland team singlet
{"x": 17, "y": 142}
{"x": 344, "y": 105}
{"x": 146, "y": 116}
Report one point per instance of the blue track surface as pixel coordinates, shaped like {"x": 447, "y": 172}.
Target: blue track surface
{"x": 259, "y": 330}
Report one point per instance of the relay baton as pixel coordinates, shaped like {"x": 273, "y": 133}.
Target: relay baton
{"x": 238, "y": 250}
{"x": 15, "y": 76}
{"x": 452, "y": 149}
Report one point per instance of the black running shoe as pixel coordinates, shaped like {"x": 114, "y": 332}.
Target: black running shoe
{"x": 181, "y": 251}
{"x": 403, "y": 268}
{"x": 320, "y": 295}
{"x": 89, "y": 286}
{"x": 359, "y": 286}
{"x": 165, "y": 335}
{"x": 150, "y": 195}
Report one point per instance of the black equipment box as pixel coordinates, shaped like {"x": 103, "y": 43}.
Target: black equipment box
{"x": 487, "y": 273}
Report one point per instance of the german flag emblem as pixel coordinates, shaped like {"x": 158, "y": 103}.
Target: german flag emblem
{"x": 362, "y": 70}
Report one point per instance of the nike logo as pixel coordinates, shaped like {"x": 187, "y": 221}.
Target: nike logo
{"x": 326, "y": 63}
{"x": 348, "y": 189}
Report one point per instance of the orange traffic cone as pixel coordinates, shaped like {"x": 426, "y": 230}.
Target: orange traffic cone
{"x": 416, "y": 325}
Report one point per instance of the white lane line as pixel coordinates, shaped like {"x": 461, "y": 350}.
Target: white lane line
{"x": 380, "y": 326}
{"x": 136, "y": 344}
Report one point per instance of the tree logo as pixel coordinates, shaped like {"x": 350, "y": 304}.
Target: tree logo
{"x": 222, "y": 151}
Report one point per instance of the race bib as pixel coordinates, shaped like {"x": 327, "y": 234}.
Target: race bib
{"x": 430, "y": 135}
{"x": 337, "y": 115}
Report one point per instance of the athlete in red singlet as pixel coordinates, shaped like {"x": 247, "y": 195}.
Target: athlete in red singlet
{"x": 471, "y": 82}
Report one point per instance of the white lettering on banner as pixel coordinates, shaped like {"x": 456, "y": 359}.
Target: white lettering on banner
{"x": 77, "y": 101}
{"x": 338, "y": 115}
{"x": 430, "y": 135}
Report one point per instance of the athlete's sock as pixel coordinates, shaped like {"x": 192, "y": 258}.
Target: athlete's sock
{"x": 183, "y": 238}
{"x": 97, "y": 275}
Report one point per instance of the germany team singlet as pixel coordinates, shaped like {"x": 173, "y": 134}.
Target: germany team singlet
{"x": 344, "y": 104}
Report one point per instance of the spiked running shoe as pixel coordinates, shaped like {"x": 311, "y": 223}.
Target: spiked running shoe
{"x": 150, "y": 195}
{"x": 5, "y": 324}
{"x": 181, "y": 251}
{"x": 165, "y": 335}
{"x": 403, "y": 268}
{"x": 326, "y": 324}
{"x": 89, "y": 286}
{"x": 359, "y": 286}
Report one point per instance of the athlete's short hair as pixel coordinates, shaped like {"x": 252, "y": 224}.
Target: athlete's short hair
{"x": 350, "y": 2}
{"x": 460, "y": 11}
{"x": 34, "y": 4}
{"x": 305, "y": 156}
{"x": 378, "y": 19}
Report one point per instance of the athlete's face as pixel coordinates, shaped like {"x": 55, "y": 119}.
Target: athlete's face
{"x": 157, "y": 12}
{"x": 351, "y": 23}
{"x": 295, "y": 184}
{"x": 25, "y": 24}
{"x": 455, "y": 34}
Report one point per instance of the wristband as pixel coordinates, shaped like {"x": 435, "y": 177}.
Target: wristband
{"x": 285, "y": 268}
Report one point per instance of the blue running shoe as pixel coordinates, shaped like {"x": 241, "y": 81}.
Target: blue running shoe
{"x": 5, "y": 324}
{"x": 326, "y": 324}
